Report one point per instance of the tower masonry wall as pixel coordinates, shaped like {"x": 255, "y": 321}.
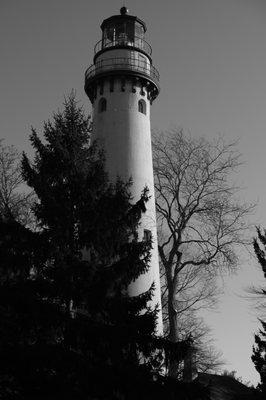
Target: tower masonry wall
{"x": 124, "y": 133}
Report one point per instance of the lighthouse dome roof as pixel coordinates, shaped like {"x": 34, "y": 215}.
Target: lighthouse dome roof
{"x": 124, "y": 10}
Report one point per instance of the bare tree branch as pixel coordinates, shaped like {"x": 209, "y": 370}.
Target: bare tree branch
{"x": 200, "y": 220}
{"x": 15, "y": 201}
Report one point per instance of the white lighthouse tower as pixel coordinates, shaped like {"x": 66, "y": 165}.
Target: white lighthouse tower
{"x": 122, "y": 84}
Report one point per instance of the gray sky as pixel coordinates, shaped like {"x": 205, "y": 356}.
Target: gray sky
{"x": 211, "y": 55}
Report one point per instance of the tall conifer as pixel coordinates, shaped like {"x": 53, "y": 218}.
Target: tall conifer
{"x": 68, "y": 328}
{"x": 74, "y": 327}
{"x": 259, "y": 350}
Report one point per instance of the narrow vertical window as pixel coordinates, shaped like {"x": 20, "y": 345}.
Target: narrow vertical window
{"x": 142, "y": 106}
{"x": 102, "y": 105}
{"x": 147, "y": 236}
{"x": 111, "y": 85}
{"x": 101, "y": 88}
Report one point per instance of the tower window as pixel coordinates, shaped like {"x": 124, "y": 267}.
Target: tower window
{"x": 142, "y": 106}
{"x": 102, "y": 105}
{"x": 147, "y": 236}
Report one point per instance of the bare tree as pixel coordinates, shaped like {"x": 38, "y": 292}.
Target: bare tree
{"x": 15, "y": 199}
{"x": 196, "y": 289}
{"x": 203, "y": 355}
{"x": 200, "y": 220}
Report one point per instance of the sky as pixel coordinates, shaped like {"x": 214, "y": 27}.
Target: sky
{"x": 211, "y": 55}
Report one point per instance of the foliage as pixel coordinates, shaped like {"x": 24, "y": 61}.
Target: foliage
{"x": 259, "y": 350}
{"x": 68, "y": 317}
{"x": 68, "y": 328}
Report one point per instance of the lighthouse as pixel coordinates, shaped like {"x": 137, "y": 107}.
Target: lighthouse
{"x": 122, "y": 84}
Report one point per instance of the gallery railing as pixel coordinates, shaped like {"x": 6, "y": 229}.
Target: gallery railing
{"x": 123, "y": 64}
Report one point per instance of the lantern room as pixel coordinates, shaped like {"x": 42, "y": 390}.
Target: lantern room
{"x": 123, "y": 30}
{"x": 123, "y": 54}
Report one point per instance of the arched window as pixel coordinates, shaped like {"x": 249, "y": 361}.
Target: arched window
{"x": 102, "y": 105}
{"x": 142, "y": 106}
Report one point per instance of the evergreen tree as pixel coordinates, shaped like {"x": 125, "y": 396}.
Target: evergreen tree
{"x": 68, "y": 328}
{"x": 259, "y": 350}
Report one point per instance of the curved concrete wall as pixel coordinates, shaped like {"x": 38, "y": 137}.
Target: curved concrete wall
{"x": 124, "y": 132}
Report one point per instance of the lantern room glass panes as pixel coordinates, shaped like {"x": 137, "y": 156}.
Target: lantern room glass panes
{"x": 139, "y": 31}
{"x": 123, "y": 33}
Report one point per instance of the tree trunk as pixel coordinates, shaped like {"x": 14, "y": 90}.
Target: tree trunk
{"x": 173, "y": 332}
